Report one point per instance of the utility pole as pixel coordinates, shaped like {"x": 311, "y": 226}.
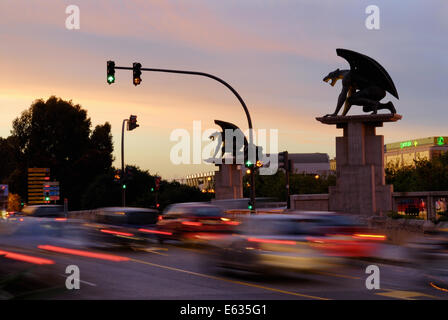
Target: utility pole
{"x": 285, "y": 163}
{"x": 132, "y": 124}
{"x": 123, "y": 186}
{"x": 288, "y": 171}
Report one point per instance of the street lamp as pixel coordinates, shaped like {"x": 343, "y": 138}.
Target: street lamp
{"x": 132, "y": 124}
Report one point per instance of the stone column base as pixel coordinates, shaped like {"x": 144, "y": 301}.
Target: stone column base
{"x": 360, "y": 180}
{"x": 228, "y": 182}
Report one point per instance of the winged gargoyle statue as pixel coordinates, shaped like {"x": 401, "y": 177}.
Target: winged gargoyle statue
{"x": 365, "y": 84}
{"x": 221, "y": 136}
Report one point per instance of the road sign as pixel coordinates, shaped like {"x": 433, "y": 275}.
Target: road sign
{"x": 38, "y": 170}
{"x": 51, "y": 190}
{"x": 37, "y": 177}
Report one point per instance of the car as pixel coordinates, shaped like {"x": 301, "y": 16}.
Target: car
{"x": 43, "y": 211}
{"x": 343, "y": 235}
{"x": 119, "y": 226}
{"x": 269, "y": 243}
{"x": 193, "y": 222}
{"x": 272, "y": 243}
{"x": 429, "y": 256}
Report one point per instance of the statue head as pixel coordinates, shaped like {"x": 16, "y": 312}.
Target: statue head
{"x": 215, "y": 135}
{"x": 334, "y": 76}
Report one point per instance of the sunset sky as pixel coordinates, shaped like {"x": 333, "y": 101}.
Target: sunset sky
{"x": 275, "y": 53}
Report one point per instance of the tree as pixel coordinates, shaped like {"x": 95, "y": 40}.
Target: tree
{"x": 423, "y": 175}
{"x": 14, "y": 202}
{"x": 9, "y": 157}
{"x": 56, "y": 134}
{"x": 104, "y": 192}
{"x": 274, "y": 186}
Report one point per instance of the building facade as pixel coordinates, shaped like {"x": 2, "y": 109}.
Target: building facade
{"x": 404, "y": 153}
{"x": 205, "y": 181}
{"x": 310, "y": 163}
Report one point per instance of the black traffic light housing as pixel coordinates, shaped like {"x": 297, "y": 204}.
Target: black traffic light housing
{"x": 132, "y": 123}
{"x": 283, "y": 160}
{"x": 129, "y": 174}
{"x": 258, "y": 160}
{"x": 110, "y": 72}
{"x": 117, "y": 176}
{"x": 136, "y": 71}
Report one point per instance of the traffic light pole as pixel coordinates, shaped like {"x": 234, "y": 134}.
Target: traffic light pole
{"x": 123, "y": 190}
{"x": 246, "y": 110}
{"x": 288, "y": 200}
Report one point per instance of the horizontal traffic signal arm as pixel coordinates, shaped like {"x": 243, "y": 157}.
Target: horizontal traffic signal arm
{"x": 198, "y": 74}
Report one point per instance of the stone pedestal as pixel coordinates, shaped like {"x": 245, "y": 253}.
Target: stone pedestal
{"x": 228, "y": 182}
{"x": 360, "y": 180}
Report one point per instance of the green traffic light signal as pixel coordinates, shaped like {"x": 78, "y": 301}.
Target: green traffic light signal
{"x": 110, "y": 72}
{"x": 250, "y": 207}
{"x": 47, "y": 198}
{"x": 152, "y": 189}
{"x": 124, "y": 186}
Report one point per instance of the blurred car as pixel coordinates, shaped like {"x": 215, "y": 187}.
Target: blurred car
{"x": 342, "y": 235}
{"x": 193, "y": 221}
{"x": 120, "y": 226}
{"x": 429, "y": 254}
{"x": 43, "y": 211}
{"x": 268, "y": 243}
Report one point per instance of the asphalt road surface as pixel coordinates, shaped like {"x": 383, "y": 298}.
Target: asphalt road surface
{"x": 176, "y": 271}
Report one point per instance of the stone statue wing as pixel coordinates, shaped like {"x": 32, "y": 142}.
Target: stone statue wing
{"x": 227, "y": 125}
{"x": 370, "y": 69}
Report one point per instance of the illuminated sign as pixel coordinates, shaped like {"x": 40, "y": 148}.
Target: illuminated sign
{"x": 407, "y": 144}
{"x": 434, "y": 141}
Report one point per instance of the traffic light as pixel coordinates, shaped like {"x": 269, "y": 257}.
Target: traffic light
{"x": 136, "y": 68}
{"x": 110, "y": 72}
{"x": 257, "y": 161}
{"x": 132, "y": 123}
{"x": 129, "y": 173}
{"x": 250, "y": 205}
{"x": 124, "y": 186}
{"x": 117, "y": 176}
{"x": 158, "y": 183}
{"x": 284, "y": 162}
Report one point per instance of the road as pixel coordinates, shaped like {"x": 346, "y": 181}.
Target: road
{"x": 176, "y": 271}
